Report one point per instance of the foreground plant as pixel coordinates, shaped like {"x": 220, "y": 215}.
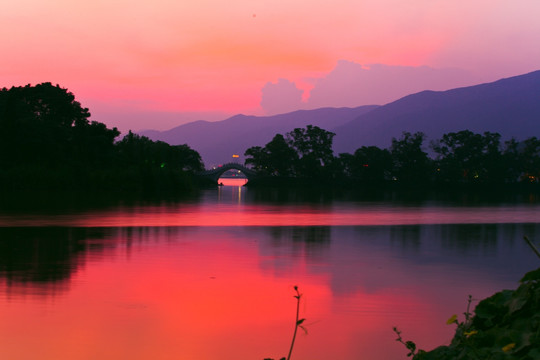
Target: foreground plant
{"x": 297, "y": 324}
{"x": 505, "y": 326}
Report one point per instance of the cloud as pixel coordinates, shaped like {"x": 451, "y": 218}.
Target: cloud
{"x": 281, "y": 97}
{"x": 352, "y": 84}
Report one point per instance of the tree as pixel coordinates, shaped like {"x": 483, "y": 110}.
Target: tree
{"x": 257, "y": 159}
{"x": 468, "y": 157}
{"x": 410, "y": 163}
{"x": 44, "y": 124}
{"x": 313, "y": 146}
{"x": 531, "y": 159}
{"x": 312, "y": 141}
{"x": 281, "y": 157}
{"x": 43, "y": 103}
{"x": 141, "y": 151}
{"x": 275, "y": 158}
{"x": 524, "y": 158}
{"x": 371, "y": 165}
{"x": 48, "y": 142}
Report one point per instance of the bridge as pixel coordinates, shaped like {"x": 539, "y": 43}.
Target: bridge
{"x": 215, "y": 174}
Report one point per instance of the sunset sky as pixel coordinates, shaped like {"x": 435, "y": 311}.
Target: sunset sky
{"x": 140, "y": 65}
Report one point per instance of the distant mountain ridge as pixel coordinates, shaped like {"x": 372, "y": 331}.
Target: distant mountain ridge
{"x": 508, "y": 106}
{"x": 218, "y": 141}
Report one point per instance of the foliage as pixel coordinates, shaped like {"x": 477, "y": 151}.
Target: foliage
{"x": 372, "y": 164}
{"x": 313, "y": 146}
{"x": 368, "y": 165}
{"x": 258, "y": 159}
{"x": 461, "y": 159}
{"x": 136, "y": 149}
{"x": 504, "y": 326}
{"x": 47, "y": 143}
{"x": 306, "y": 152}
{"x": 410, "y": 162}
{"x": 276, "y": 158}
{"x": 525, "y": 157}
{"x": 468, "y": 157}
{"x": 43, "y": 124}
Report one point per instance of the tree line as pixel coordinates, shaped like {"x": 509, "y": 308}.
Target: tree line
{"x": 48, "y": 143}
{"x": 456, "y": 158}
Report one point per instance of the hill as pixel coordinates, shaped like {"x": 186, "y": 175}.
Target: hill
{"x": 508, "y": 106}
{"x": 218, "y": 141}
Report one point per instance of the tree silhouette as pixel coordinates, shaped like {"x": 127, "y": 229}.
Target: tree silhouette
{"x": 44, "y": 124}
{"x": 468, "y": 157}
{"x": 313, "y": 146}
{"x": 48, "y": 143}
{"x": 411, "y": 164}
{"x": 371, "y": 165}
{"x": 529, "y": 160}
{"x": 140, "y": 150}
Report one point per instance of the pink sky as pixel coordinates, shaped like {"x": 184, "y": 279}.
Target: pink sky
{"x": 157, "y": 64}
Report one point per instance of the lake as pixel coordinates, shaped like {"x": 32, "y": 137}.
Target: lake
{"x": 213, "y": 276}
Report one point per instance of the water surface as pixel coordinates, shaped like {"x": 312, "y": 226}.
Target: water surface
{"x": 213, "y": 277}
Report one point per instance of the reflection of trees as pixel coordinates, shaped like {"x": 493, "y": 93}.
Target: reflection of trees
{"x": 409, "y": 237}
{"x": 45, "y": 255}
{"x": 288, "y": 243}
{"x": 382, "y": 257}
{"x": 289, "y": 247}
{"x": 471, "y": 238}
{"x": 287, "y": 196}
{"x": 38, "y": 257}
{"x": 303, "y": 234}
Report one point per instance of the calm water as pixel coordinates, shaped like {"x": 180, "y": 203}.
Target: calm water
{"x": 213, "y": 277}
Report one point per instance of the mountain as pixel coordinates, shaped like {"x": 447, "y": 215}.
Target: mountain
{"x": 218, "y": 141}
{"x": 508, "y": 106}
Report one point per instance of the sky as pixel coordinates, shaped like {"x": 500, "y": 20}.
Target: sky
{"x": 154, "y": 65}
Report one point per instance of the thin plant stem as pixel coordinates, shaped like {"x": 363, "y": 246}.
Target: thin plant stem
{"x": 297, "y": 321}
{"x": 468, "y": 312}
{"x": 534, "y": 248}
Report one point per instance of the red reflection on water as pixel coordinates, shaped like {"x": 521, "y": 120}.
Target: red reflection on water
{"x": 229, "y": 210}
{"x": 232, "y": 181}
{"x": 206, "y": 295}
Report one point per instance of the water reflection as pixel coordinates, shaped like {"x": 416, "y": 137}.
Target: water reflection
{"x": 44, "y": 255}
{"x": 163, "y": 292}
{"x": 227, "y": 207}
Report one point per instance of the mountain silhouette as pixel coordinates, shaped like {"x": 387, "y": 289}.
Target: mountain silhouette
{"x": 508, "y": 106}
{"x": 218, "y": 141}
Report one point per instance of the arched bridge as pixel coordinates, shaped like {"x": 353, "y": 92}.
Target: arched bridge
{"x": 215, "y": 174}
